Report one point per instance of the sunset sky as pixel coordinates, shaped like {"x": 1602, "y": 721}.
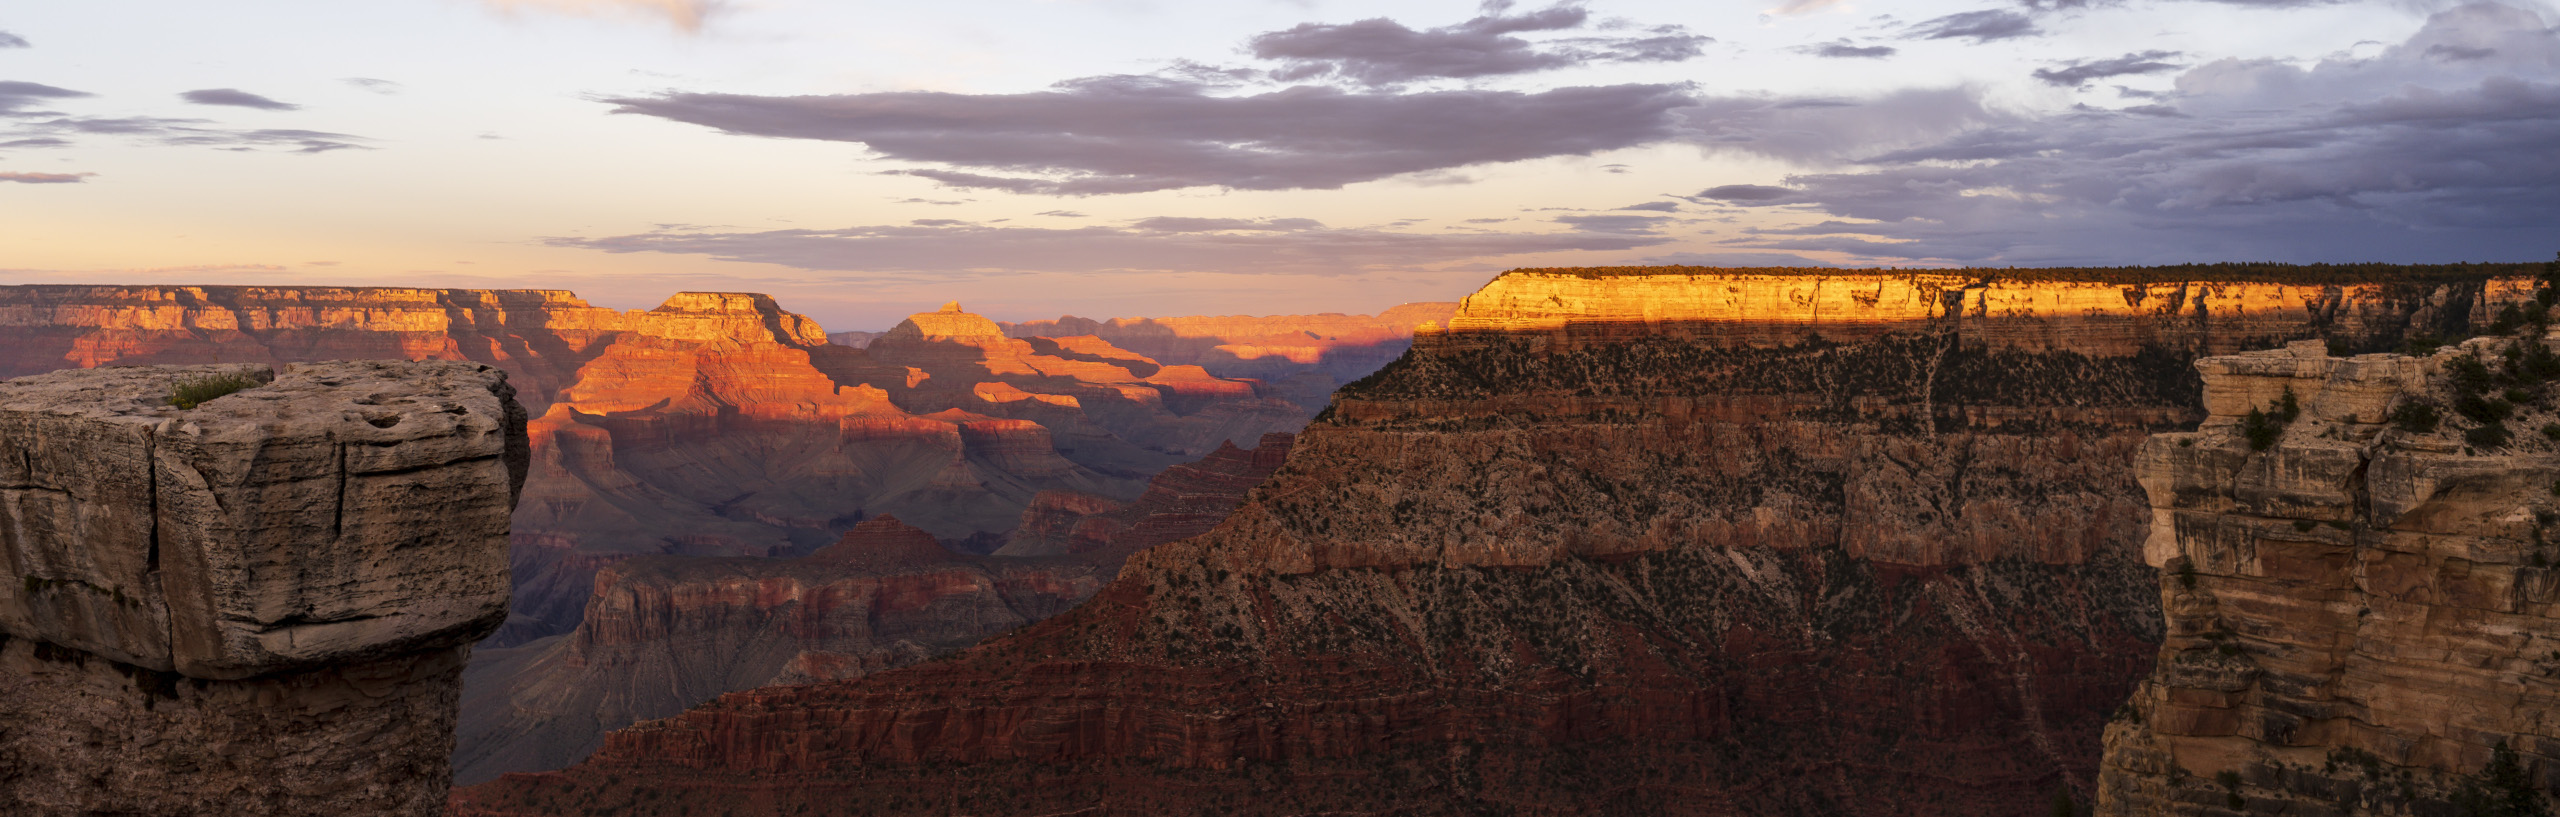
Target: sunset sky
{"x": 1030, "y": 158}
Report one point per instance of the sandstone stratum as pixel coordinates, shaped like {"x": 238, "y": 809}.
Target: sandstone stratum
{"x": 2357, "y": 572}
{"x": 260, "y": 603}
{"x": 1632, "y": 541}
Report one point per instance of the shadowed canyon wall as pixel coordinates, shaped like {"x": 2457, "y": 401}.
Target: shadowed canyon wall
{"x": 2360, "y": 600}
{"x": 662, "y": 633}
{"x": 1709, "y": 543}
{"x": 260, "y": 604}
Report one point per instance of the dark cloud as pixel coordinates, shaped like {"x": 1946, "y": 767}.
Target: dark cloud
{"x": 1747, "y": 193}
{"x": 8, "y": 40}
{"x": 236, "y": 98}
{"x": 2076, "y": 73}
{"x": 177, "y": 132}
{"x": 44, "y": 178}
{"x": 1843, "y": 50}
{"x": 2397, "y": 157}
{"x": 1135, "y": 134}
{"x": 1381, "y": 51}
{"x": 967, "y": 250}
{"x": 36, "y": 142}
{"x": 379, "y": 86}
{"x": 16, "y": 96}
{"x": 1978, "y": 26}
{"x": 1655, "y": 206}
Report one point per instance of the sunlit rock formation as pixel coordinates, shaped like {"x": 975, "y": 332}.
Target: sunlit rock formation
{"x": 1632, "y": 541}
{"x": 260, "y": 604}
{"x": 1274, "y": 348}
{"x": 2360, "y": 599}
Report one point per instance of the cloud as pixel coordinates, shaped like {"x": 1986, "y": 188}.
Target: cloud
{"x": 1733, "y": 259}
{"x": 1134, "y": 134}
{"x": 1612, "y": 223}
{"x": 1818, "y": 131}
{"x": 2076, "y": 73}
{"x": 1655, "y": 206}
{"x": 379, "y": 86}
{"x": 16, "y": 96}
{"x": 1746, "y": 193}
{"x": 57, "y": 132}
{"x": 1271, "y": 247}
{"x": 1380, "y": 51}
{"x": 1061, "y": 214}
{"x": 2395, "y": 157}
{"x": 44, "y": 178}
{"x": 8, "y": 40}
{"x": 1843, "y": 50}
{"x": 236, "y": 98}
{"x": 1978, "y": 26}
{"x": 685, "y": 15}
{"x": 1795, "y": 7}
{"x": 1188, "y": 224}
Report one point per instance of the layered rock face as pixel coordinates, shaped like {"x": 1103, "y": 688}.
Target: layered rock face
{"x": 662, "y": 633}
{"x": 257, "y": 604}
{"x": 1639, "y": 544}
{"x": 1340, "y": 347}
{"x": 1184, "y": 501}
{"x": 2360, "y": 612}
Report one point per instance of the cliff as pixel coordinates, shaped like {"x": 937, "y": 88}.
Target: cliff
{"x": 1667, "y": 542}
{"x": 662, "y": 633}
{"x": 257, "y": 603}
{"x": 1270, "y": 347}
{"x": 2359, "y": 590}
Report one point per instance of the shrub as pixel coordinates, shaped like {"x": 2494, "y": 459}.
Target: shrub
{"x": 2493, "y": 435}
{"x": 2483, "y": 409}
{"x": 2415, "y": 417}
{"x": 2421, "y": 344}
{"x": 196, "y": 391}
{"x": 2261, "y": 429}
{"x": 2287, "y": 408}
{"x": 2470, "y": 375}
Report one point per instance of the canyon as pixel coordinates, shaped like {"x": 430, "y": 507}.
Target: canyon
{"x": 256, "y": 600}
{"x": 1607, "y": 541}
{"x": 720, "y": 424}
{"x": 719, "y": 441}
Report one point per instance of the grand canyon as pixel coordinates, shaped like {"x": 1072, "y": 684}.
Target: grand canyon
{"x": 1601, "y": 540}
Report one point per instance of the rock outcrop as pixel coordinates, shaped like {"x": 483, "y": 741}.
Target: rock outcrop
{"x": 2359, "y": 597}
{"x": 1340, "y": 348}
{"x": 1639, "y": 543}
{"x": 662, "y": 633}
{"x": 256, "y": 603}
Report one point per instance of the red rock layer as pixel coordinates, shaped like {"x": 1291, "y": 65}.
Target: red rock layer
{"x": 1673, "y": 565}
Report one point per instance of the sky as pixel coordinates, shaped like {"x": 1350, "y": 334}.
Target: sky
{"x": 1031, "y": 158}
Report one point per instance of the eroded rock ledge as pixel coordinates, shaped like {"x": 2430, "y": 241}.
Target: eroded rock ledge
{"x": 2360, "y": 611}
{"x": 257, "y": 605}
